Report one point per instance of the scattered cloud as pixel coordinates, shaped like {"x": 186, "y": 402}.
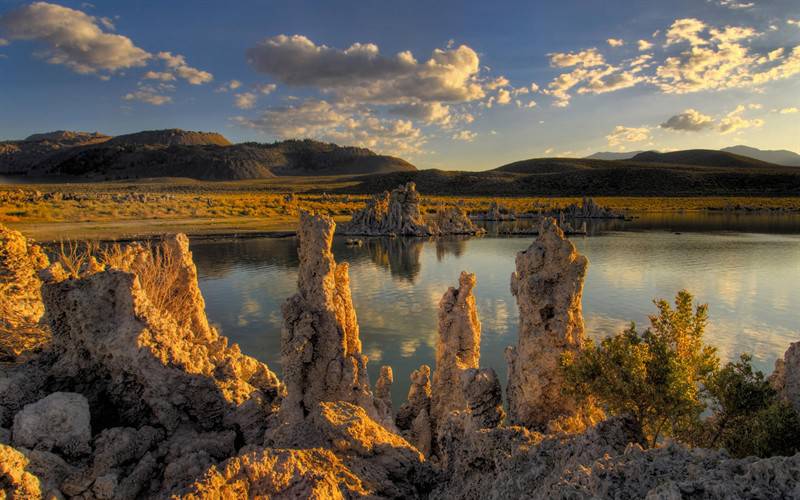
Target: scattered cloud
{"x": 735, "y": 5}
{"x": 686, "y": 30}
{"x": 148, "y": 94}
{"x": 689, "y": 120}
{"x": 465, "y": 136}
{"x": 266, "y": 88}
{"x": 426, "y": 112}
{"x": 622, "y": 135}
{"x": 793, "y": 22}
{"x": 163, "y": 76}
{"x": 3, "y": 42}
{"x": 734, "y": 121}
{"x": 229, "y": 85}
{"x": 585, "y": 59}
{"x": 615, "y": 42}
{"x": 789, "y": 111}
{"x": 644, "y": 45}
{"x": 245, "y": 100}
{"x": 73, "y": 38}
{"x": 341, "y": 123}
{"x": 503, "y": 97}
{"x": 177, "y": 63}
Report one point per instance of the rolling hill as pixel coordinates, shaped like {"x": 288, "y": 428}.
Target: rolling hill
{"x": 179, "y": 153}
{"x": 701, "y": 157}
{"x": 777, "y": 156}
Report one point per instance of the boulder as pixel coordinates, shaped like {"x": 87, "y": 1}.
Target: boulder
{"x": 60, "y": 422}
{"x": 548, "y": 285}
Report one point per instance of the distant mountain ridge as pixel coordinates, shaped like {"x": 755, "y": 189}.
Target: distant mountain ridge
{"x": 777, "y": 157}
{"x": 179, "y": 153}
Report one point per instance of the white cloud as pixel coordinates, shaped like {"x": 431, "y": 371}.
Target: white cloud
{"x": 177, "y": 63}
{"x": 245, "y": 100}
{"x": 159, "y": 75}
{"x": 361, "y": 73}
{"x": 686, "y": 30}
{"x": 789, "y": 111}
{"x": 689, "y": 120}
{"x": 734, "y": 121}
{"x": 322, "y": 120}
{"x": 229, "y": 85}
{"x": 149, "y": 95}
{"x": 266, "y": 88}
{"x": 644, "y": 45}
{"x": 3, "y": 42}
{"x": 622, "y": 135}
{"x": 585, "y": 59}
{"x": 795, "y": 22}
{"x": 735, "y": 5}
{"x": 73, "y": 38}
{"x": 615, "y": 42}
{"x": 465, "y": 136}
{"x": 503, "y": 97}
{"x": 427, "y": 112}
{"x": 497, "y": 83}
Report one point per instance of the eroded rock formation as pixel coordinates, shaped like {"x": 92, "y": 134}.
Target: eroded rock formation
{"x": 396, "y": 213}
{"x": 495, "y": 213}
{"x": 548, "y": 285}
{"x": 21, "y": 305}
{"x": 413, "y": 417}
{"x": 589, "y": 209}
{"x": 458, "y": 383}
{"x": 320, "y": 344}
{"x": 454, "y": 220}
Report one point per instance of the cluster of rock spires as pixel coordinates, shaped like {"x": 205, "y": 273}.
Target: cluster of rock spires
{"x": 589, "y": 209}
{"x": 397, "y": 213}
{"x": 136, "y": 397}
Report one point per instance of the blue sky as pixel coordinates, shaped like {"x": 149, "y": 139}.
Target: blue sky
{"x": 455, "y": 85}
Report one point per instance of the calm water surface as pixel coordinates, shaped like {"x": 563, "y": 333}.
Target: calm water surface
{"x": 747, "y": 268}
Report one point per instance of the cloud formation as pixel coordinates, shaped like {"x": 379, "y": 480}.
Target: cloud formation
{"x": 149, "y": 94}
{"x": 177, "y": 63}
{"x": 690, "y": 120}
{"x": 245, "y": 100}
{"x": 320, "y": 119}
{"x": 362, "y": 73}
{"x": 73, "y": 38}
{"x": 622, "y": 135}
{"x": 734, "y": 121}
{"x": 615, "y": 42}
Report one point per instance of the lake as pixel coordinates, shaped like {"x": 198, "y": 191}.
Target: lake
{"x": 746, "y": 267}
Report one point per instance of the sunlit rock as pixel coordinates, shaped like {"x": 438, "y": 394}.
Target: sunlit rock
{"x": 454, "y": 220}
{"x": 548, "y": 285}
{"x": 320, "y": 344}
{"x": 495, "y": 213}
{"x": 786, "y": 377}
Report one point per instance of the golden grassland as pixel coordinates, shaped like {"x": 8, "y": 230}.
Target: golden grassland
{"x": 117, "y": 210}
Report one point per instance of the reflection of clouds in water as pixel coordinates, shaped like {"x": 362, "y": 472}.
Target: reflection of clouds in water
{"x": 408, "y": 347}
{"x": 374, "y": 354}
{"x": 599, "y": 326}
{"x": 250, "y": 310}
{"x": 275, "y": 318}
{"x": 495, "y": 316}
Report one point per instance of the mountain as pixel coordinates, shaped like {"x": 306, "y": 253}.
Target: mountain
{"x": 777, "y": 156}
{"x": 588, "y": 177}
{"x": 701, "y": 157}
{"x": 179, "y": 153}
{"x": 610, "y": 155}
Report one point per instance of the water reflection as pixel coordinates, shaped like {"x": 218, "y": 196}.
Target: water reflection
{"x": 748, "y": 276}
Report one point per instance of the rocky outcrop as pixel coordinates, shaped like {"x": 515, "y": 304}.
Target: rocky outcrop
{"x": 603, "y": 463}
{"x": 413, "y": 417}
{"x": 21, "y": 305}
{"x": 588, "y": 209}
{"x": 320, "y": 344}
{"x": 786, "y": 377}
{"x": 383, "y": 398}
{"x": 16, "y": 480}
{"x": 454, "y": 220}
{"x": 396, "y": 213}
{"x": 59, "y": 422}
{"x": 548, "y": 285}
{"x": 458, "y": 383}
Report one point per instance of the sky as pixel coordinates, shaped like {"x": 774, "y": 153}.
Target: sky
{"x": 444, "y": 84}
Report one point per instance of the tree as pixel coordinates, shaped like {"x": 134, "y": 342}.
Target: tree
{"x": 748, "y": 416}
{"x": 658, "y": 377}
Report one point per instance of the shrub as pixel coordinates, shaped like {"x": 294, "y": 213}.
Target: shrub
{"x": 658, "y": 377}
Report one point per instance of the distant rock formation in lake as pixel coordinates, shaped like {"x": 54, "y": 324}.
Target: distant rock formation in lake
{"x": 397, "y": 213}
{"x": 180, "y": 153}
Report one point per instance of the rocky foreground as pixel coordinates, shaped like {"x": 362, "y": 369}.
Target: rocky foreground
{"x": 133, "y": 394}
